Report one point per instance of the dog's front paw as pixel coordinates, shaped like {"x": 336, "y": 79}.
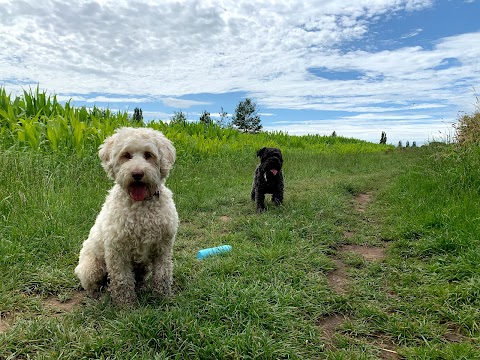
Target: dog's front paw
{"x": 162, "y": 283}
{"x": 95, "y": 293}
{"x": 163, "y": 288}
{"x": 162, "y": 279}
{"x": 126, "y": 300}
{"x": 123, "y": 294}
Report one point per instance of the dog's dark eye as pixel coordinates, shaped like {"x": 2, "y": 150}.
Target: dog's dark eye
{"x": 127, "y": 155}
{"x": 148, "y": 155}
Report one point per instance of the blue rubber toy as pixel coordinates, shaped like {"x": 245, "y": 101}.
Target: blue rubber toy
{"x": 212, "y": 251}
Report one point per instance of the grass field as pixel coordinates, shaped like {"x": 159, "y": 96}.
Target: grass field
{"x": 374, "y": 255}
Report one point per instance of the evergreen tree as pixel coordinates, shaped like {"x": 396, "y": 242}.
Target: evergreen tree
{"x": 383, "y": 138}
{"x": 334, "y": 134}
{"x": 246, "y": 118}
{"x": 205, "y": 118}
{"x": 137, "y": 115}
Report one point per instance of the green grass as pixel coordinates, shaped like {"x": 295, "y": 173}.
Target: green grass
{"x": 266, "y": 298}
{"x": 271, "y": 296}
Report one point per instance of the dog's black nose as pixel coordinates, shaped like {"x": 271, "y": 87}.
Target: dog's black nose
{"x": 138, "y": 175}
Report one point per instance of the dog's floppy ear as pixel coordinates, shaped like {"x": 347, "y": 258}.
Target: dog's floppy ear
{"x": 105, "y": 155}
{"x": 261, "y": 151}
{"x": 167, "y": 152}
{"x": 279, "y": 154}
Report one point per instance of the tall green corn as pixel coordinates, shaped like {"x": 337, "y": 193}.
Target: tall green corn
{"x": 38, "y": 121}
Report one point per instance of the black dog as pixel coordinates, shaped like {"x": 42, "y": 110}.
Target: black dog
{"x": 268, "y": 177}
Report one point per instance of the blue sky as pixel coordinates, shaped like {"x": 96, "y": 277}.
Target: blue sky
{"x": 356, "y": 67}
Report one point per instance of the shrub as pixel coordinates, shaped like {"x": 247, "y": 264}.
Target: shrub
{"x": 467, "y": 131}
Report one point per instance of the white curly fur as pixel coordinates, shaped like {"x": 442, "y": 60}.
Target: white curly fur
{"x": 136, "y": 228}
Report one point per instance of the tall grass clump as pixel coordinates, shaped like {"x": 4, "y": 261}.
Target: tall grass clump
{"x": 467, "y": 130}
{"x": 444, "y": 191}
{"x": 435, "y": 209}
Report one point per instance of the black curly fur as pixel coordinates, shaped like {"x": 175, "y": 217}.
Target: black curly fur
{"x": 265, "y": 181}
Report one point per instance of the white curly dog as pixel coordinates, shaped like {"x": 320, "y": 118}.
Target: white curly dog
{"x": 132, "y": 239}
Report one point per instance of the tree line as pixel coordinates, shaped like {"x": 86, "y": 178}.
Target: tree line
{"x": 245, "y": 118}
{"x": 383, "y": 140}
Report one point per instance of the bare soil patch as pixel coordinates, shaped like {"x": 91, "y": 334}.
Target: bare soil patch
{"x": 361, "y": 201}
{"x": 5, "y": 322}
{"x": 370, "y": 253}
{"x": 388, "y": 354}
{"x": 58, "y": 306}
{"x": 329, "y": 325}
{"x": 453, "y": 335}
{"x": 338, "y": 279}
{"x": 386, "y": 347}
{"x": 224, "y": 218}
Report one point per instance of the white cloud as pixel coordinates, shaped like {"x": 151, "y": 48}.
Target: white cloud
{"x": 181, "y": 103}
{"x": 412, "y": 33}
{"x": 173, "y": 48}
{"x": 111, "y": 99}
{"x": 387, "y": 117}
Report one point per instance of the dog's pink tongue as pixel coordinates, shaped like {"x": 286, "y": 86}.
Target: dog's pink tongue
{"x": 274, "y": 172}
{"x": 138, "y": 192}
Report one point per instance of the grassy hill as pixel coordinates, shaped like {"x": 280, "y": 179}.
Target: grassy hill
{"x": 374, "y": 254}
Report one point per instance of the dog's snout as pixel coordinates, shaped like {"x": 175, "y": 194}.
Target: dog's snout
{"x": 137, "y": 175}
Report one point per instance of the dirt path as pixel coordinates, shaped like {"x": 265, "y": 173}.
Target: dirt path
{"x": 338, "y": 278}
{"x": 340, "y": 282}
